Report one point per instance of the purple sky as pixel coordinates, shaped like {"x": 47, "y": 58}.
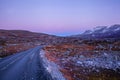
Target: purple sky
{"x": 59, "y": 17}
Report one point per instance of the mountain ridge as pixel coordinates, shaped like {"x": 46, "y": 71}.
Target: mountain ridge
{"x": 101, "y": 32}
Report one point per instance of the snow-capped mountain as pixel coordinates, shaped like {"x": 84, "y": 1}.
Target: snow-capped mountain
{"x": 102, "y": 32}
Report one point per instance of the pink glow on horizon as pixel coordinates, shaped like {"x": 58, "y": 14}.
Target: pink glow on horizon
{"x": 58, "y": 16}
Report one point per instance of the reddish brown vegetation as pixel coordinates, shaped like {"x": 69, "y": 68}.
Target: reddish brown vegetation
{"x": 61, "y": 50}
{"x": 12, "y": 41}
{"x": 58, "y": 53}
{"x": 12, "y": 49}
{"x": 63, "y": 55}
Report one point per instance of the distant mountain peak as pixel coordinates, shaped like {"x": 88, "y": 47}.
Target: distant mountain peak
{"x": 99, "y": 28}
{"x": 88, "y": 32}
{"x": 115, "y": 27}
{"x": 102, "y": 32}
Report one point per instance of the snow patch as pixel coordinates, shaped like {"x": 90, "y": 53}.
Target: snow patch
{"x": 117, "y": 29}
{"x": 105, "y": 30}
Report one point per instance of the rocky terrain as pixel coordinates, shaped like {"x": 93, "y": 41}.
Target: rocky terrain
{"x": 89, "y": 57}
{"x": 92, "y": 55}
{"x": 84, "y": 62}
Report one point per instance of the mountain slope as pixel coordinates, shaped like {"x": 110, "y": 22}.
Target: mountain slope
{"x": 101, "y": 32}
{"x": 12, "y": 41}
